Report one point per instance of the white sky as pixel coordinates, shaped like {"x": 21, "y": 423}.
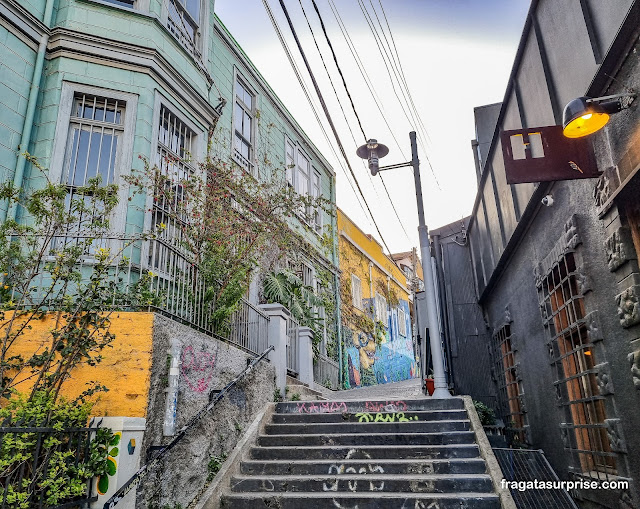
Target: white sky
{"x": 456, "y": 54}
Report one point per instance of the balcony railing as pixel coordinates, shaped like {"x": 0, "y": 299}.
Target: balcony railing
{"x": 175, "y": 288}
{"x": 325, "y": 372}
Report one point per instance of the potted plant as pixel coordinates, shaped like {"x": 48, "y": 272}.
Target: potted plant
{"x": 430, "y": 384}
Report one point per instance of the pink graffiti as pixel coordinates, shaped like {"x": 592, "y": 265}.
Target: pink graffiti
{"x": 322, "y": 408}
{"x": 197, "y": 369}
{"x": 387, "y": 406}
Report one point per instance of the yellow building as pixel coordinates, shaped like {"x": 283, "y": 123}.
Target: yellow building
{"x": 375, "y": 311}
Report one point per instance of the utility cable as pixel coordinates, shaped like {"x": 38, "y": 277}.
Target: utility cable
{"x": 344, "y": 83}
{"x": 363, "y": 72}
{"x": 329, "y": 119}
{"x": 335, "y": 59}
{"x": 296, "y": 71}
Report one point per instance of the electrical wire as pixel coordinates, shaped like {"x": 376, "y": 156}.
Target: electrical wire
{"x": 329, "y": 119}
{"x": 308, "y": 97}
{"x": 394, "y": 72}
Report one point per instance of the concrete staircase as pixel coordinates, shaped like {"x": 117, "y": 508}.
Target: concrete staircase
{"x": 363, "y": 454}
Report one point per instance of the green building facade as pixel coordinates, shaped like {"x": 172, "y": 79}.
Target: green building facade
{"x": 107, "y": 81}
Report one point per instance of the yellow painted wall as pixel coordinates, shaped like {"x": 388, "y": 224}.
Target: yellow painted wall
{"x": 125, "y": 368}
{"x": 356, "y": 259}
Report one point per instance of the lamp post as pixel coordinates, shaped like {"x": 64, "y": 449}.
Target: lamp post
{"x": 373, "y": 151}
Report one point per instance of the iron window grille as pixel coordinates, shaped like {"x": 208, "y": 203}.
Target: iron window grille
{"x": 243, "y": 116}
{"x": 510, "y": 389}
{"x": 183, "y": 22}
{"x": 175, "y": 145}
{"x": 584, "y": 434}
{"x": 96, "y": 126}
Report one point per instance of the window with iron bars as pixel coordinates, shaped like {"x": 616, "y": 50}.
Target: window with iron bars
{"x": 96, "y": 127}
{"x": 510, "y": 391}
{"x": 573, "y": 355}
{"x": 175, "y": 145}
{"x": 183, "y": 22}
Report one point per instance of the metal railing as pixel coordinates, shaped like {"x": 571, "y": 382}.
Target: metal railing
{"x": 173, "y": 286}
{"x": 325, "y": 372}
{"x": 29, "y": 450}
{"x": 292, "y": 346}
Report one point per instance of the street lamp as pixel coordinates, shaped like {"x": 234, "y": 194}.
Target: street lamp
{"x": 373, "y": 151}
{"x": 586, "y": 115}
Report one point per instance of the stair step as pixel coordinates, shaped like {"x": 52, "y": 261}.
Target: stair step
{"x": 369, "y": 427}
{"x": 374, "y": 500}
{"x": 370, "y": 451}
{"x": 372, "y": 480}
{"x": 360, "y": 439}
{"x": 371, "y": 406}
{"x": 322, "y": 467}
{"x": 420, "y": 416}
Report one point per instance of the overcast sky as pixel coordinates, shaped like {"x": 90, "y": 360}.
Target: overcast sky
{"x": 455, "y": 55}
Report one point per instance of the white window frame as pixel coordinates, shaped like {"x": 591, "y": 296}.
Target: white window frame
{"x": 124, "y": 155}
{"x": 197, "y": 46}
{"x": 382, "y": 309}
{"x": 250, "y": 110}
{"x": 316, "y": 192}
{"x": 296, "y": 173}
{"x": 356, "y": 291}
{"x": 402, "y": 323}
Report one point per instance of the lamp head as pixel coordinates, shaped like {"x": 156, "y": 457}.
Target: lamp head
{"x": 372, "y": 151}
{"x": 584, "y": 115}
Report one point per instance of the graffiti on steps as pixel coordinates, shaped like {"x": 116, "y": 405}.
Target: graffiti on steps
{"x": 380, "y": 417}
{"x": 387, "y": 406}
{"x": 329, "y": 407}
{"x": 358, "y": 463}
{"x": 419, "y": 504}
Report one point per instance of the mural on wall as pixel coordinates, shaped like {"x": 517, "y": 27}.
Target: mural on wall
{"x": 392, "y": 360}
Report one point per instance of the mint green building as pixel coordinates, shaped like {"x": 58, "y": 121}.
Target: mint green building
{"x": 86, "y": 86}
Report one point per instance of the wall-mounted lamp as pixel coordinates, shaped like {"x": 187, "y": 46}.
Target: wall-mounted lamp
{"x": 586, "y": 115}
{"x": 373, "y": 151}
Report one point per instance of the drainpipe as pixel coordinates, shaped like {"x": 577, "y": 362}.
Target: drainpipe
{"x": 336, "y": 278}
{"x": 443, "y": 302}
{"x": 171, "y": 404}
{"x": 27, "y": 128}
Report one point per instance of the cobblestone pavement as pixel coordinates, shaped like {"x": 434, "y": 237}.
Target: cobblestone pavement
{"x": 407, "y": 389}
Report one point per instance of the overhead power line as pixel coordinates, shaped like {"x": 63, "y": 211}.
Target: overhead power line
{"x": 296, "y": 71}
{"x": 329, "y": 119}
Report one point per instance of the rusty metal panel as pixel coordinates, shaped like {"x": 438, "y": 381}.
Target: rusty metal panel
{"x": 544, "y": 154}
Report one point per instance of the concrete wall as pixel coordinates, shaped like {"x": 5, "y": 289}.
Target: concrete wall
{"x": 206, "y": 364}
{"x": 125, "y": 369}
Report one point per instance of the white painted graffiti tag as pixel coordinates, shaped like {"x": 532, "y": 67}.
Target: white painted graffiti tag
{"x": 356, "y": 462}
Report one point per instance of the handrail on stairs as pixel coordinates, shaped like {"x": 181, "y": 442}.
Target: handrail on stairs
{"x": 213, "y": 400}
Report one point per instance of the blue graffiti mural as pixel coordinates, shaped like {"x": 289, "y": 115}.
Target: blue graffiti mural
{"x": 391, "y": 361}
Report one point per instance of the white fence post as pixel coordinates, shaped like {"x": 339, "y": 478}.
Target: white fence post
{"x": 305, "y": 355}
{"x": 278, "y": 315}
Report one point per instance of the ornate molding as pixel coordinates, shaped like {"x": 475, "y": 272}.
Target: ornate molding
{"x": 634, "y": 360}
{"x": 583, "y": 281}
{"x": 614, "y": 433}
{"x": 571, "y": 236}
{"x": 603, "y": 378}
{"x": 594, "y": 332}
{"x": 606, "y": 185}
{"x": 629, "y": 306}
{"x": 619, "y": 248}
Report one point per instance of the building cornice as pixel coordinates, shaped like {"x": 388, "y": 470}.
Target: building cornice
{"x": 24, "y": 21}
{"x": 90, "y": 48}
{"x": 373, "y": 261}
